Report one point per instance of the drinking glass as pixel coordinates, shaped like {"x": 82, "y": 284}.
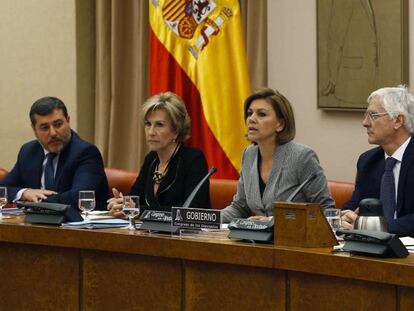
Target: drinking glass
{"x": 333, "y": 215}
{"x": 3, "y": 199}
{"x": 130, "y": 208}
{"x": 86, "y": 201}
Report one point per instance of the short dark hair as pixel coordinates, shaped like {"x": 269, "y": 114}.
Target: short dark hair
{"x": 45, "y": 106}
{"x": 283, "y": 110}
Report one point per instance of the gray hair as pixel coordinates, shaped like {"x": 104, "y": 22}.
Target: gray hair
{"x": 397, "y": 100}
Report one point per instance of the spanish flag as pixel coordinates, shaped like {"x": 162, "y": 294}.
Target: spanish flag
{"x": 197, "y": 51}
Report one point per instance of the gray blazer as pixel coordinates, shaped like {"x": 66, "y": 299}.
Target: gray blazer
{"x": 292, "y": 165}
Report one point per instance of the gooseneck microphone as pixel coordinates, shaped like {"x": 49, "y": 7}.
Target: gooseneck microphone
{"x": 197, "y": 188}
{"x": 305, "y": 182}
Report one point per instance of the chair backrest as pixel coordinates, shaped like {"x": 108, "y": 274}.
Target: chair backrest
{"x": 222, "y": 192}
{"x": 3, "y": 173}
{"x": 341, "y": 191}
{"x": 120, "y": 179}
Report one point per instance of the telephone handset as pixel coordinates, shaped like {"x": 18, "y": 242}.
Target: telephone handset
{"x": 374, "y": 243}
{"x": 49, "y": 213}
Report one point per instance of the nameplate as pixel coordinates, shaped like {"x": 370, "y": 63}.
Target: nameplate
{"x": 249, "y": 224}
{"x": 196, "y": 218}
{"x": 159, "y": 216}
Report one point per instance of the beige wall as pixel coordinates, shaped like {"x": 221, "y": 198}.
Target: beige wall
{"x": 37, "y": 58}
{"x": 337, "y": 137}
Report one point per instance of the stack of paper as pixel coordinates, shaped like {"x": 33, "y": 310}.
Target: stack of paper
{"x": 12, "y": 211}
{"x": 98, "y": 215}
{"x": 408, "y": 243}
{"x": 96, "y": 224}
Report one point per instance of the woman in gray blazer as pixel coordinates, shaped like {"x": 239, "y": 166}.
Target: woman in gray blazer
{"x": 274, "y": 166}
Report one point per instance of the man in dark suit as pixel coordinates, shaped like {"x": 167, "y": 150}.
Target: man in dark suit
{"x": 55, "y": 166}
{"x": 387, "y": 172}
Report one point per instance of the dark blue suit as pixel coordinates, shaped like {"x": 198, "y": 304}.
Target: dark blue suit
{"x": 370, "y": 168}
{"x": 80, "y": 167}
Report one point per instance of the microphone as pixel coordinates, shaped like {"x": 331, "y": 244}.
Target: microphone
{"x": 197, "y": 188}
{"x": 306, "y": 181}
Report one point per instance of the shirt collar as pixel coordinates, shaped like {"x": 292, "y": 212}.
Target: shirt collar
{"x": 398, "y": 154}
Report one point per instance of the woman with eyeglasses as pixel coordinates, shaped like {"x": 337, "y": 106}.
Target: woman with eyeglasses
{"x": 274, "y": 166}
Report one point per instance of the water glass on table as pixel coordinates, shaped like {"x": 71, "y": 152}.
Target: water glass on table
{"x": 130, "y": 208}
{"x": 3, "y": 199}
{"x": 86, "y": 201}
{"x": 333, "y": 215}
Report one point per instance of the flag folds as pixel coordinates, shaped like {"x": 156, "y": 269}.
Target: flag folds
{"x": 197, "y": 51}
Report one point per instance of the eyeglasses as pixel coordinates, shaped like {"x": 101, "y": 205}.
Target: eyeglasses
{"x": 374, "y": 115}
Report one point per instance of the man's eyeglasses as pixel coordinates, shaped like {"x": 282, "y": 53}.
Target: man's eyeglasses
{"x": 374, "y": 115}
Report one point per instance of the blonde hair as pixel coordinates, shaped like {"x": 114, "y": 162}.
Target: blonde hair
{"x": 175, "y": 108}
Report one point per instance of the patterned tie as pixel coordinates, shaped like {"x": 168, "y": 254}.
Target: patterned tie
{"x": 387, "y": 192}
{"x": 49, "y": 171}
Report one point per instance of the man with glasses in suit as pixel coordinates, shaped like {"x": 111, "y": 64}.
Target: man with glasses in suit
{"x": 387, "y": 171}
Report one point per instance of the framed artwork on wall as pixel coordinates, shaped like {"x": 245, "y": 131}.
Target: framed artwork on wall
{"x": 362, "y": 46}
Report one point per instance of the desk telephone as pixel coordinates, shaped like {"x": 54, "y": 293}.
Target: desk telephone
{"x": 374, "y": 243}
{"x": 49, "y": 213}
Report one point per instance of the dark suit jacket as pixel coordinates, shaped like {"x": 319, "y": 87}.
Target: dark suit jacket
{"x": 368, "y": 182}
{"x": 80, "y": 167}
{"x": 185, "y": 171}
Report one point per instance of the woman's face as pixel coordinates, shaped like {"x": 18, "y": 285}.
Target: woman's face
{"x": 262, "y": 122}
{"x": 159, "y": 132}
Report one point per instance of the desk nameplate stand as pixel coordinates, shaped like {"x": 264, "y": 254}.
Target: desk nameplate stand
{"x": 301, "y": 225}
{"x": 157, "y": 221}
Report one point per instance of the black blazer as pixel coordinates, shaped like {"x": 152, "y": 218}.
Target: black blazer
{"x": 370, "y": 168}
{"x": 185, "y": 171}
{"x": 80, "y": 167}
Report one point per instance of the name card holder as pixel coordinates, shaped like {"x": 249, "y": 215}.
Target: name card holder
{"x": 157, "y": 221}
{"x": 251, "y": 230}
{"x": 191, "y": 221}
{"x": 301, "y": 225}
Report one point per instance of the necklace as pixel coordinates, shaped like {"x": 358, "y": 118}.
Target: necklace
{"x": 158, "y": 176}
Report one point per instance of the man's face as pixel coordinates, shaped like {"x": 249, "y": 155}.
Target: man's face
{"x": 380, "y": 128}
{"x": 52, "y": 130}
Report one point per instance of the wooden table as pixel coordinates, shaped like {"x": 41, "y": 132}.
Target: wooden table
{"x": 54, "y": 268}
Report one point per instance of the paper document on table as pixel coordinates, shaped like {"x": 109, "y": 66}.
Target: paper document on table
{"x": 94, "y": 215}
{"x": 223, "y": 227}
{"x": 96, "y": 224}
{"x": 12, "y": 211}
{"x": 408, "y": 243}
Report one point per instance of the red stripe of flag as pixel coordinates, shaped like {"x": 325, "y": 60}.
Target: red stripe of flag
{"x": 167, "y": 75}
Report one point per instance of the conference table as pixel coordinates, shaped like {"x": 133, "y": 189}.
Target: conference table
{"x": 55, "y": 268}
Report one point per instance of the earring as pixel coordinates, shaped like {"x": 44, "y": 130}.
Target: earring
{"x": 174, "y": 140}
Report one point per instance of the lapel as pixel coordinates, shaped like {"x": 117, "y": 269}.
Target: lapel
{"x": 64, "y": 160}
{"x": 166, "y": 183}
{"x": 271, "y": 187}
{"x": 149, "y": 186}
{"x": 36, "y": 166}
{"x": 171, "y": 175}
{"x": 377, "y": 169}
{"x": 282, "y": 153}
{"x": 406, "y": 162}
{"x": 253, "y": 171}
